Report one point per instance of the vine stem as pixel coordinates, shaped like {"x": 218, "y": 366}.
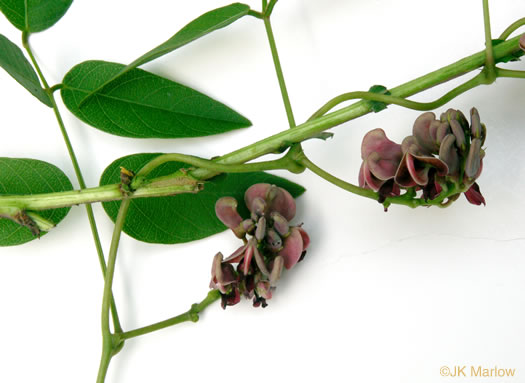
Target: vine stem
{"x": 310, "y": 128}
{"x": 76, "y": 167}
{"x": 192, "y": 315}
{"x": 387, "y": 99}
{"x": 511, "y": 28}
{"x": 109, "y": 346}
{"x": 489, "y": 60}
{"x": 510, "y": 73}
{"x": 406, "y": 199}
{"x": 286, "y": 138}
{"x": 179, "y": 182}
{"x": 278, "y": 69}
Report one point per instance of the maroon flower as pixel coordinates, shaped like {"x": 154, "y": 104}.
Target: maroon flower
{"x": 415, "y": 167}
{"x": 381, "y": 159}
{"x": 270, "y": 244}
{"x": 439, "y": 153}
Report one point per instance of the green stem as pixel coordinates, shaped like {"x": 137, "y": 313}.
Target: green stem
{"x": 511, "y": 28}
{"x": 192, "y": 315}
{"x": 408, "y": 199}
{"x": 179, "y": 182}
{"x": 255, "y": 14}
{"x": 55, "y": 87}
{"x": 309, "y": 129}
{"x": 76, "y": 167}
{"x": 33, "y": 202}
{"x": 109, "y": 346}
{"x": 278, "y": 70}
{"x": 489, "y": 61}
{"x": 387, "y": 99}
{"x": 212, "y": 165}
{"x": 269, "y": 8}
{"x": 287, "y": 138}
{"x": 337, "y": 181}
{"x": 510, "y": 73}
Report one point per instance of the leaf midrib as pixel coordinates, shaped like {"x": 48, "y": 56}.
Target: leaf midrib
{"x": 133, "y": 102}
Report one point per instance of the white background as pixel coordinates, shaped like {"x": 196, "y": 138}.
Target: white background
{"x": 381, "y": 297}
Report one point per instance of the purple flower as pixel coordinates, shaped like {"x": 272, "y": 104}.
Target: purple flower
{"x": 270, "y": 244}
{"x": 439, "y": 153}
{"x": 417, "y": 167}
{"x": 381, "y": 159}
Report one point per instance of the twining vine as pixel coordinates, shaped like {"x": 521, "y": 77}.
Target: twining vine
{"x": 434, "y": 166}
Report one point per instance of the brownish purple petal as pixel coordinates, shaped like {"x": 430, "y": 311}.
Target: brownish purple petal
{"x": 237, "y": 255}
{"x": 422, "y": 131}
{"x": 449, "y": 154}
{"x": 473, "y": 163}
{"x": 276, "y": 198}
{"x": 474, "y": 195}
{"x": 259, "y": 260}
{"x": 260, "y": 232}
{"x": 263, "y": 289}
{"x": 369, "y": 179}
{"x": 377, "y": 141}
{"x": 414, "y": 169}
{"x": 275, "y": 275}
{"x": 305, "y": 237}
{"x": 458, "y": 132}
{"x": 273, "y": 241}
{"x": 293, "y": 248}
{"x": 280, "y": 224}
{"x": 226, "y": 211}
{"x": 382, "y": 168}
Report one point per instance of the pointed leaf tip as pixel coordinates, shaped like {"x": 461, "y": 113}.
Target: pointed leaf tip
{"x": 140, "y": 104}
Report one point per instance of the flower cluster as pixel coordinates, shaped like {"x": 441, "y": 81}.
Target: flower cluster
{"x": 439, "y": 154}
{"x": 270, "y": 243}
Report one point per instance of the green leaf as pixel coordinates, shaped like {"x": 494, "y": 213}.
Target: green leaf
{"x": 28, "y": 176}
{"x": 12, "y": 59}
{"x": 378, "y": 106}
{"x": 143, "y": 105}
{"x": 184, "y": 217}
{"x": 34, "y": 15}
{"x": 201, "y": 26}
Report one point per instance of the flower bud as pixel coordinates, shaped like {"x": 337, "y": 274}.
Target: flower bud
{"x": 280, "y": 224}
{"x": 475, "y": 123}
{"x": 263, "y": 290}
{"x": 260, "y": 232}
{"x": 259, "y": 260}
{"x": 474, "y": 195}
{"x": 441, "y": 132}
{"x": 258, "y": 206}
{"x": 222, "y": 274}
{"x": 473, "y": 164}
{"x": 478, "y": 130}
{"x": 458, "y": 132}
{"x": 248, "y": 226}
{"x": 448, "y": 153}
{"x": 456, "y": 115}
{"x": 278, "y": 264}
{"x": 273, "y": 240}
